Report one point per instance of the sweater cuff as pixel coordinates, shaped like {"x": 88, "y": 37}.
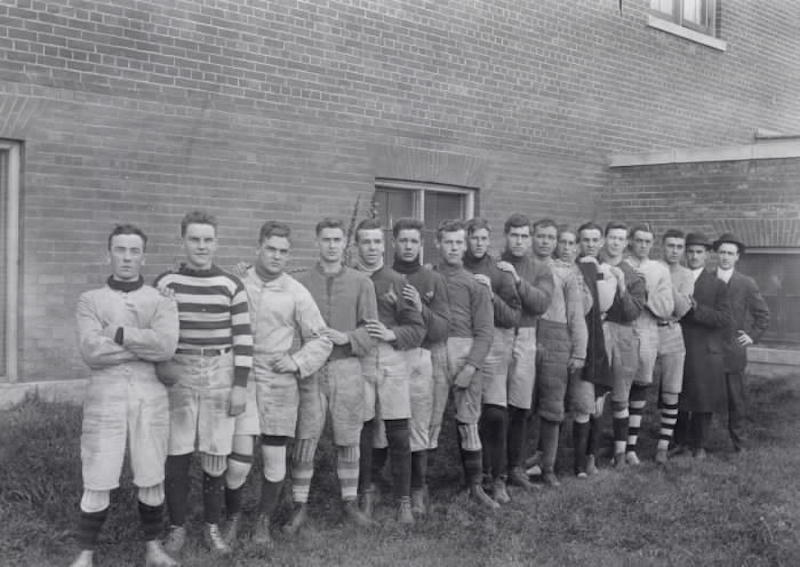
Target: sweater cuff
{"x": 240, "y": 375}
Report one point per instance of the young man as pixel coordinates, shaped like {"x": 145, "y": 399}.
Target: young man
{"x": 621, "y": 340}
{"x": 750, "y": 320}
{"x": 289, "y": 346}
{"x": 671, "y": 349}
{"x": 399, "y": 328}
{"x": 495, "y": 426}
{"x": 704, "y": 330}
{"x": 346, "y": 299}
{"x": 561, "y": 349}
{"x": 428, "y": 293}
{"x": 123, "y": 329}
{"x": 458, "y": 363}
{"x": 208, "y": 377}
{"x": 659, "y": 304}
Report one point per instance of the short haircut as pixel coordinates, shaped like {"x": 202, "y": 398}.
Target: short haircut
{"x": 517, "y": 220}
{"x": 562, "y": 228}
{"x": 673, "y": 233}
{"x": 642, "y": 227}
{"x": 274, "y": 228}
{"x": 368, "y": 224}
{"x": 128, "y": 228}
{"x": 477, "y": 223}
{"x": 329, "y": 222}
{"x": 449, "y": 225}
{"x": 407, "y": 223}
{"x": 589, "y": 226}
{"x": 616, "y": 225}
{"x": 545, "y": 223}
{"x": 198, "y": 217}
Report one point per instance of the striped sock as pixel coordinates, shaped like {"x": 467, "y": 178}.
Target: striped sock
{"x": 669, "y": 416}
{"x": 471, "y": 452}
{"x": 303, "y": 469}
{"x": 89, "y": 526}
{"x": 620, "y": 426}
{"x": 637, "y": 403}
{"x": 347, "y": 470}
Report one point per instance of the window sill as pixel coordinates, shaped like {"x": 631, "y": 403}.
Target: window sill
{"x": 686, "y": 33}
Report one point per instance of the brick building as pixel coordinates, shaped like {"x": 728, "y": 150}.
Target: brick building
{"x": 129, "y": 110}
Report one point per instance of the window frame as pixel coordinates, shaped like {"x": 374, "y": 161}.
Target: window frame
{"x": 674, "y": 23}
{"x": 13, "y": 150}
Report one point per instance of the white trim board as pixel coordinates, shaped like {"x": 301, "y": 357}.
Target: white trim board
{"x": 783, "y": 149}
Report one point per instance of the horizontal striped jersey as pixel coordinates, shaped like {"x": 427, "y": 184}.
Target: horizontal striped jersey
{"x": 213, "y": 313}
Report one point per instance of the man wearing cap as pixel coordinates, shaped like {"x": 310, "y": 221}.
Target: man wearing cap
{"x": 704, "y": 329}
{"x": 750, "y": 320}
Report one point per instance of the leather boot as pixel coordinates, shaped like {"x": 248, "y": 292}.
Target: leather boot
{"x": 404, "y": 513}
{"x": 261, "y": 534}
{"x": 418, "y": 506}
{"x": 232, "y": 529}
{"x": 297, "y": 519}
{"x": 352, "y": 515}
{"x": 368, "y": 501}
{"x": 155, "y": 556}
{"x": 477, "y": 493}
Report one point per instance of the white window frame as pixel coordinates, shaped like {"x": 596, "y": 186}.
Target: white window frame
{"x": 419, "y": 189}
{"x": 14, "y": 152}
{"x": 674, "y": 24}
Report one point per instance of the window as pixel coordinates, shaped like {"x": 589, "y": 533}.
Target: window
{"x": 777, "y": 273}
{"x": 9, "y": 257}
{"x": 431, "y": 203}
{"x": 695, "y": 20}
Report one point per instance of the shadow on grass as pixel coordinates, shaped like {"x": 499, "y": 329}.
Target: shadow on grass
{"x": 727, "y": 510}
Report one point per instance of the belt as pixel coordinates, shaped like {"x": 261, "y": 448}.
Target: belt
{"x": 203, "y": 351}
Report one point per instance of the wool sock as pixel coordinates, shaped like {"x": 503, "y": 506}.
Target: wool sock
{"x": 302, "y": 469}
{"x": 419, "y": 469}
{"x": 365, "y": 456}
{"x": 397, "y": 433}
{"x": 89, "y": 526}
{"x": 669, "y": 417}
{"x": 638, "y": 399}
{"x": 213, "y": 497}
{"x": 493, "y": 438}
{"x": 517, "y": 418}
{"x": 580, "y": 442}
{"x": 152, "y": 519}
{"x": 347, "y": 471}
{"x": 176, "y": 486}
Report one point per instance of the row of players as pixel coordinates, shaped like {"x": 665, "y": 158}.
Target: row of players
{"x": 208, "y": 361}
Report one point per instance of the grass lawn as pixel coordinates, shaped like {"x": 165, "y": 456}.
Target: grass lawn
{"x": 726, "y": 510}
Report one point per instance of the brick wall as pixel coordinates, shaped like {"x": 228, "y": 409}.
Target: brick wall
{"x": 134, "y": 110}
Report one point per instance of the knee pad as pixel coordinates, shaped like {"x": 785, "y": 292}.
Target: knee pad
{"x": 95, "y": 500}
{"x": 238, "y": 468}
{"x": 152, "y": 495}
{"x": 274, "y": 461}
{"x": 213, "y": 465}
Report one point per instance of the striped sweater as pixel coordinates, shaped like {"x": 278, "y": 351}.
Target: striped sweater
{"x": 213, "y": 313}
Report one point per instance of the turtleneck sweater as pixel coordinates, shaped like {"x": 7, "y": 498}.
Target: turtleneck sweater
{"x": 535, "y": 287}
{"x": 504, "y": 296}
{"x": 213, "y": 314}
{"x": 433, "y": 294}
{"x": 124, "y": 286}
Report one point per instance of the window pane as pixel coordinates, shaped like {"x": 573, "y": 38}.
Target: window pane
{"x": 439, "y": 207}
{"x": 390, "y": 205}
{"x": 662, "y": 5}
{"x": 3, "y": 260}
{"x": 778, "y": 278}
{"x": 693, "y": 11}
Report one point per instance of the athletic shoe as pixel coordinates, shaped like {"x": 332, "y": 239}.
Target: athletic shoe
{"x": 534, "y": 460}
{"x": 212, "y": 537}
{"x": 619, "y": 461}
{"x": 517, "y": 477}
{"x": 404, "y": 513}
{"x": 477, "y": 493}
{"x": 354, "y": 516}
{"x": 298, "y": 518}
{"x": 679, "y": 450}
{"x": 632, "y": 458}
{"x": 418, "y": 506}
{"x": 661, "y": 457}
{"x": 550, "y": 479}
{"x": 499, "y": 492}
{"x": 591, "y": 465}
{"x": 368, "y": 501}
{"x": 582, "y": 475}
{"x": 175, "y": 540}
{"x": 261, "y": 533}
{"x": 83, "y": 560}
{"x": 157, "y": 557}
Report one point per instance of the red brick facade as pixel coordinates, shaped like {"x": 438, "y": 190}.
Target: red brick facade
{"x": 137, "y": 111}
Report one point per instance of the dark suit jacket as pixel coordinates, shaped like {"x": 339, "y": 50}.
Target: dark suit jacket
{"x": 750, "y": 314}
{"x": 704, "y": 330}
{"x": 596, "y": 370}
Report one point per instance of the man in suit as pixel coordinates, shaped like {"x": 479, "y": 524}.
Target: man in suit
{"x": 704, "y": 328}
{"x": 750, "y": 320}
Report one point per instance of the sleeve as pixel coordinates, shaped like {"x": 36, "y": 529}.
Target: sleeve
{"x": 436, "y": 314}
{"x": 586, "y": 294}
{"x": 316, "y": 348}
{"x": 759, "y": 312}
{"x": 661, "y": 302}
{"x": 717, "y": 316}
{"x": 536, "y": 296}
{"x": 242, "y": 335}
{"x": 367, "y": 308}
{"x": 97, "y": 349}
{"x": 632, "y": 301}
{"x": 681, "y": 295}
{"x": 482, "y": 325}
{"x": 576, "y": 319}
{"x": 410, "y": 328}
{"x": 159, "y": 341}
{"x": 506, "y": 302}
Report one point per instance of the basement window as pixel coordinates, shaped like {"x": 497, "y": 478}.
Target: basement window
{"x": 429, "y": 202}
{"x": 695, "y": 20}
{"x": 10, "y": 168}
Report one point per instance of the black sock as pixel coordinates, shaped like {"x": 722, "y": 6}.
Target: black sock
{"x": 593, "y": 442}
{"x": 379, "y": 457}
{"x": 176, "y": 487}
{"x": 233, "y": 500}
{"x": 493, "y": 438}
{"x": 270, "y": 496}
{"x": 580, "y": 442}
{"x": 517, "y": 418}
{"x": 365, "y": 458}
{"x": 89, "y": 526}
{"x": 620, "y": 427}
{"x": 419, "y": 469}
{"x": 213, "y": 497}
{"x": 152, "y": 518}
{"x": 397, "y": 433}
{"x": 549, "y": 434}
{"x": 472, "y": 466}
